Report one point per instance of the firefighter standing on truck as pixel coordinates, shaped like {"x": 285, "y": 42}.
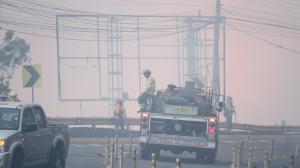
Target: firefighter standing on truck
{"x": 228, "y": 112}
{"x": 149, "y": 89}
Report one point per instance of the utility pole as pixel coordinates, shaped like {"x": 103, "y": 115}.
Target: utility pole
{"x": 216, "y": 68}
{"x": 191, "y": 63}
{"x": 1, "y": 1}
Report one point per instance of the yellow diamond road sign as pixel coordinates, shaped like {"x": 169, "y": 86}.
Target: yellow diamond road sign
{"x": 32, "y": 75}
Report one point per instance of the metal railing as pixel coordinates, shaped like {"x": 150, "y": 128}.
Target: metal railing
{"x": 136, "y": 121}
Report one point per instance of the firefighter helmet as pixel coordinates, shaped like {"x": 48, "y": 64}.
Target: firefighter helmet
{"x": 146, "y": 72}
{"x": 13, "y": 93}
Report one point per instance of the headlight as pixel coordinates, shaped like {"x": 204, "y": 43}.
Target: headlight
{"x": 2, "y": 145}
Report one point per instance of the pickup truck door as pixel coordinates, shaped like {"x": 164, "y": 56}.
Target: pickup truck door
{"x": 45, "y": 134}
{"x": 30, "y": 140}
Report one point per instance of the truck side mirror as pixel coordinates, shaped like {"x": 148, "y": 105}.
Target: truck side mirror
{"x": 220, "y": 106}
{"x": 30, "y": 127}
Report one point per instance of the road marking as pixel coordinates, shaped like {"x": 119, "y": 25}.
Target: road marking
{"x": 95, "y": 145}
{"x": 75, "y": 145}
{"x": 263, "y": 141}
{"x": 86, "y": 145}
{"x": 226, "y": 141}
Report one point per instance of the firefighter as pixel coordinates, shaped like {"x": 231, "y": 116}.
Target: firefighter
{"x": 13, "y": 96}
{"x": 119, "y": 115}
{"x": 149, "y": 90}
{"x": 228, "y": 112}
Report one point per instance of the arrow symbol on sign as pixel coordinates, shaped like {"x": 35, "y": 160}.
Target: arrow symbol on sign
{"x": 34, "y": 76}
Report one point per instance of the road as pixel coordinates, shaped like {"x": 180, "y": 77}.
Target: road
{"x": 85, "y": 153}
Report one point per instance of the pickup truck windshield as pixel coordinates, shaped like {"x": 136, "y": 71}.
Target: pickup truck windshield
{"x": 9, "y": 119}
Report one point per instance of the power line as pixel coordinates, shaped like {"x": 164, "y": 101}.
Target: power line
{"x": 46, "y": 11}
{"x": 266, "y": 32}
{"x": 148, "y": 3}
{"x": 267, "y": 16}
{"x": 263, "y": 23}
{"x": 43, "y": 10}
{"x": 266, "y": 41}
{"x": 263, "y": 28}
{"x": 280, "y": 5}
{"x": 49, "y": 26}
{"x": 45, "y": 14}
{"x": 92, "y": 40}
{"x": 55, "y": 7}
{"x": 272, "y": 4}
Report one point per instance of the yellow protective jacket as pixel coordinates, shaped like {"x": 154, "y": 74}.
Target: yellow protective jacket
{"x": 150, "y": 85}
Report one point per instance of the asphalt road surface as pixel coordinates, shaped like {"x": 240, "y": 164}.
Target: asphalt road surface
{"x": 91, "y": 155}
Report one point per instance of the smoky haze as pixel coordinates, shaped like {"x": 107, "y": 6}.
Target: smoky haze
{"x": 261, "y": 60}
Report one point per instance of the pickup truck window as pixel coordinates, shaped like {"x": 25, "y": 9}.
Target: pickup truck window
{"x": 9, "y": 119}
{"x": 28, "y": 116}
{"x": 39, "y": 116}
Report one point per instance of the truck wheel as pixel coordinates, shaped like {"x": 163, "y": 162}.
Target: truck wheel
{"x": 57, "y": 159}
{"x": 17, "y": 161}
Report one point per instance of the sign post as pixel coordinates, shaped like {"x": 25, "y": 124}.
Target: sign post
{"x": 32, "y": 94}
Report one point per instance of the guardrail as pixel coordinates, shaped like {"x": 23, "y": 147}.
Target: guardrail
{"x": 90, "y": 121}
{"x": 135, "y": 121}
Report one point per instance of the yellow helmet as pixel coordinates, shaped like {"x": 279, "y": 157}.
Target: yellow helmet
{"x": 13, "y": 94}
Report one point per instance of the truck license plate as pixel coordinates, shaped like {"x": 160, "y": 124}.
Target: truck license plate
{"x": 182, "y": 142}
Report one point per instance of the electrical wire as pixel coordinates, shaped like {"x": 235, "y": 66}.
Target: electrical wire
{"x": 264, "y": 40}
{"x": 51, "y": 27}
{"x": 71, "y": 27}
{"x": 289, "y": 21}
{"x": 255, "y": 12}
{"x": 263, "y": 23}
{"x": 265, "y": 32}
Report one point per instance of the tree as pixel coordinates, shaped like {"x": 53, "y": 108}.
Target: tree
{"x": 13, "y": 53}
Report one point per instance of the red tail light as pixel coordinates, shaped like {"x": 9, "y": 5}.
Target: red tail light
{"x": 144, "y": 123}
{"x": 144, "y": 117}
{"x": 212, "y": 131}
{"x": 212, "y": 127}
